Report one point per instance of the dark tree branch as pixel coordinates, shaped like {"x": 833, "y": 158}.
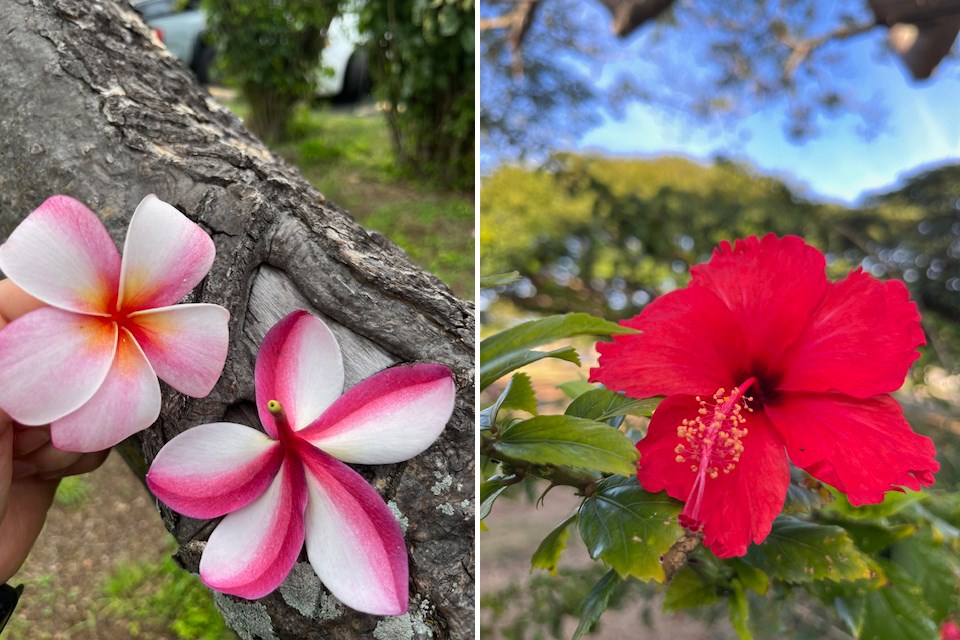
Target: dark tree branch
{"x": 630, "y": 15}
{"x": 678, "y": 555}
{"x": 801, "y": 50}
{"x": 518, "y": 23}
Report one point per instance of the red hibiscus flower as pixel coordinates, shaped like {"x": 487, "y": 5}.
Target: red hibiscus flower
{"x": 950, "y": 630}
{"x": 764, "y": 362}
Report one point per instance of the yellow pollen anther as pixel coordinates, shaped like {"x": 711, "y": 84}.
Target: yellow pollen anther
{"x": 712, "y": 443}
{"x": 274, "y": 407}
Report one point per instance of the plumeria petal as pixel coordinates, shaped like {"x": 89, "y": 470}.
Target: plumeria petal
{"x": 389, "y": 417}
{"x": 753, "y": 276}
{"x": 165, "y": 255}
{"x": 62, "y": 254}
{"x": 691, "y": 343}
{"x": 299, "y": 365}
{"x": 213, "y": 469}
{"x": 864, "y": 448}
{"x": 52, "y": 362}
{"x": 186, "y": 344}
{"x": 127, "y": 402}
{"x": 736, "y": 508}
{"x": 860, "y": 320}
{"x": 353, "y": 540}
{"x": 252, "y": 550}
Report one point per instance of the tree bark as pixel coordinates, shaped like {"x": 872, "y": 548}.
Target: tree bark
{"x": 91, "y": 106}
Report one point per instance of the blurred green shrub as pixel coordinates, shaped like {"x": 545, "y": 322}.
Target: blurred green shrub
{"x": 424, "y": 69}
{"x": 270, "y": 50}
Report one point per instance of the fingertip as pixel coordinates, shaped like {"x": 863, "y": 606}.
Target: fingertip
{"x": 15, "y": 302}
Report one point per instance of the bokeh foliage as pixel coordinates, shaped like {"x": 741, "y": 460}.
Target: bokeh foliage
{"x": 270, "y": 49}
{"x": 607, "y": 235}
{"x": 423, "y": 52}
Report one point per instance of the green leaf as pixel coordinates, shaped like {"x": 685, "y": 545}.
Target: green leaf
{"x": 573, "y": 442}
{"x": 935, "y": 567}
{"x": 797, "y": 551}
{"x": 596, "y": 603}
{"x": 499, "y": 279}
{"x": 507, "y": 350}
{"x": 893, "y": 503}
{"x": 603, "y": 404}
{"x": 872, "y": 538}
{"x": 739, "y": 610}
{"x": 575, "y": 388}
{"x": 689, "y": 589}
{"x": 629, "y": 528}
{"x": 490, "y": 490}
{"x": 547, "y": 555}
{"x": 940, "y": 527}
{"x": 896, "y": 612}
{"x": 518, "y": 395}
{"x": 489, "y": 375}
{"x": 750, "y": 576}
{"x": 804, "y": 494}
{"x": 850, "y": 613}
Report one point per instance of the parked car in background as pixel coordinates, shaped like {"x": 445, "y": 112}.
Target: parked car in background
{"x": 181, "y": 26}
{"x": 343, "y": 73}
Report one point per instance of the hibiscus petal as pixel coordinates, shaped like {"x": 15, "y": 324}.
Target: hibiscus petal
{"x": 864, "y": 448}
{"x": 165, "y": 255}
{"x": 771, "y": 286}
{"x": 62, "y": 254}
{"x": 53, "y": 361}
{"x": 389, "y": 417}
{"x": 353, "y": 540}
{"x": 691, "y": 343}
{"x": 213, "y": 469}
{"x": 736, "y": 508}
{"x": 127, "y": 402}
{"x": 299, "y": 365}
{"x": 860, "y": 341}
{"x": 252, "y": 550}
{"x": 186, "y": 344}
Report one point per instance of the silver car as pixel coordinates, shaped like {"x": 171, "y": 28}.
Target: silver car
{"x": 181, "y": 26}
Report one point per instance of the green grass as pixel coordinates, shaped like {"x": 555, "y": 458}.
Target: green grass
{"x": 162, "y": 596}
{"x": 138, "y": 600}
{"x": 349, "y": 158}
{"x": 72, "y": 491}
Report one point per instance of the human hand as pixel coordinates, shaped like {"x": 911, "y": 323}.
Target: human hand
{"x": 30, "y": 466}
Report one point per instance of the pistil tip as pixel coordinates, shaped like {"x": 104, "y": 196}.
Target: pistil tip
{"x": 274, "y": 407}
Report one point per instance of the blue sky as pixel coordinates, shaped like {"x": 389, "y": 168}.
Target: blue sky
{"x": 921, "y": 127}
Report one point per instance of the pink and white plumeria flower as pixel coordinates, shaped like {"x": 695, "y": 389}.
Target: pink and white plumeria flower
{"x": 291, "y": 485}
{"x": 88, "y": 363}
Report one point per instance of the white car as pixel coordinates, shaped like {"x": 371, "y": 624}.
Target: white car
{"x": 344, "y": 72}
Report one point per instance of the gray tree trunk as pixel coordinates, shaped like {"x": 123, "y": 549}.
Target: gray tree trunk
{"x": 91, "y": 107}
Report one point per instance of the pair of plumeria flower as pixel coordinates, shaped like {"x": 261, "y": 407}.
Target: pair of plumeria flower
{"x": 88, "y": 364}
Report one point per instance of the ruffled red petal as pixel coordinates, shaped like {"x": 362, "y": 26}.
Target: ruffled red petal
{"x": 860, "y": 341}
{"x": 690, "y": 344}
{"x": 864, "y": 448}
{"x": 771, "y": 286}
{"x": 736, "y": 508}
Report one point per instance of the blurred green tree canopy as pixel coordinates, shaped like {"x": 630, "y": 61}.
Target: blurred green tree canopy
{"x": 271, "y": 51}
{"x": 424, "y": 71}
{"x": 607, "y": 235}
{"x": 564, "y": 67}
